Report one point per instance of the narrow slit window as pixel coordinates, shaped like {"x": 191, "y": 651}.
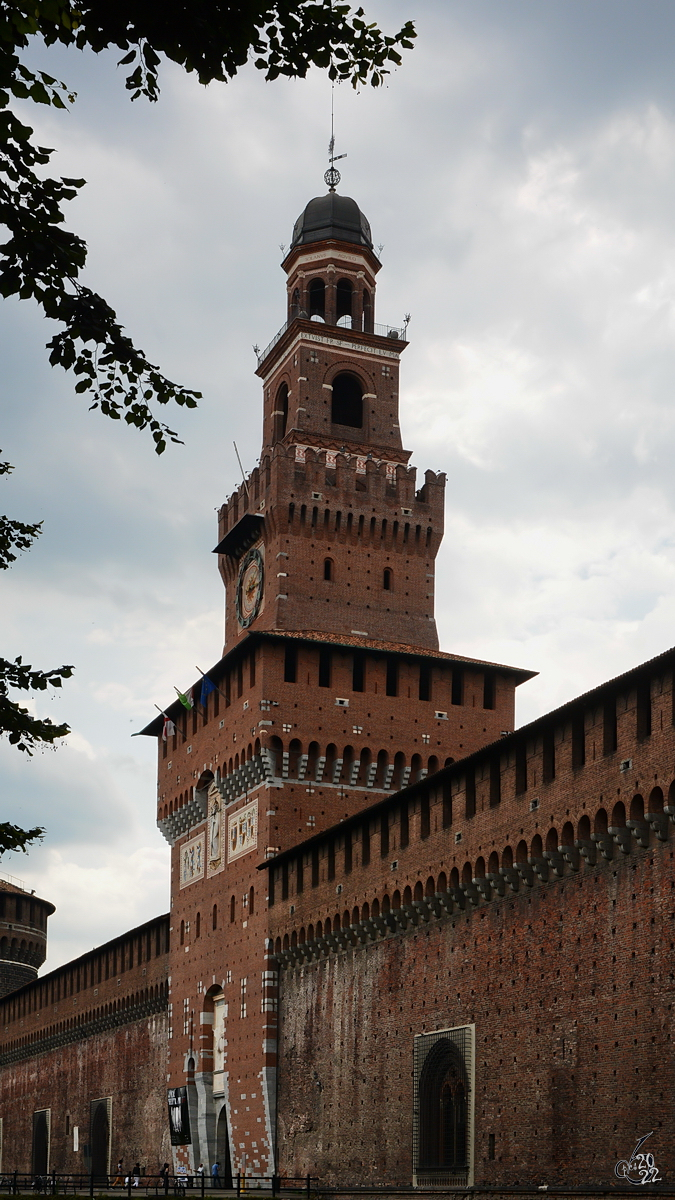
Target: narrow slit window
{"x": 290, "y": 664}
{"x": 324, "y": 667}
{"x": 425, "y": 682}
{"x": 579, "y": 740}
{"x": 470, "y": 792}
{"x": 609, "y": 726}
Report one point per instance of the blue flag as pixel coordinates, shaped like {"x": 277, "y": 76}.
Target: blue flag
{"x": 207, "y": 687}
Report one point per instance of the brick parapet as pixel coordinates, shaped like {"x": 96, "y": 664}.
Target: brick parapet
{"x": 299, "y": 719}
{"x": 472, "y": 841}
{"x": 127, "y": 972}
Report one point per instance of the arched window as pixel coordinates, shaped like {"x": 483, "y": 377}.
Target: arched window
{"x": 347, "y": 407}
{"x": 343, "y": 302}
{"x": 214, "y": 918}
{"x": 386, "y": 579}
{"x": 280, "y": 413}
{"x": 295, "y": 304}
{"x": 233, "y": 907}
{"x": 317, "y": 298}
{"x": 328, "y": 569}
{"x": 443, "y": 1092}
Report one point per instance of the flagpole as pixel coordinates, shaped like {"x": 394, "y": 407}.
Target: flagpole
{"x": 203, "y": 675}
{"x": 168, "y": 718}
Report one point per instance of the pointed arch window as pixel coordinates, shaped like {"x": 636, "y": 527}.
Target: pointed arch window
{"x": 443, "y": 1071}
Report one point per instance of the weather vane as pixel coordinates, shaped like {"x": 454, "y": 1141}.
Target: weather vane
{"x": 332, "y": 175}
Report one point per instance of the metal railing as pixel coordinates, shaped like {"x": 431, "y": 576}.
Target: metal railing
{"x": 396, "y": 333}
{"x": 18, "y": 1183}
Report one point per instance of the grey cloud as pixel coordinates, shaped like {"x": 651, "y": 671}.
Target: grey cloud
{"x": 519, "y": 170}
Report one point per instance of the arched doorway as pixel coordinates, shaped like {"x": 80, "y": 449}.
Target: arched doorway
{"x": 41, "y": 1142}
{"x": 443, "y": 1110}
{"x": 100, "y": 1139}
{"x": 223, "y": 1149}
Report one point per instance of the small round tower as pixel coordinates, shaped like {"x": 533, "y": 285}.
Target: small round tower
{"x": 23, "y": 935}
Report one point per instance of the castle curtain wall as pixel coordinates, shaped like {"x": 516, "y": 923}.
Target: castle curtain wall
{"x": 570, "y": 987}
{"x": 124, "y": 1064}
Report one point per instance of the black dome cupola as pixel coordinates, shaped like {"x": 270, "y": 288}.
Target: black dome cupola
{"x": 332, "y": 218}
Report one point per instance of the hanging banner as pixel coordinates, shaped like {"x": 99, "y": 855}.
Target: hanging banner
{"x": 179, "y": 1117}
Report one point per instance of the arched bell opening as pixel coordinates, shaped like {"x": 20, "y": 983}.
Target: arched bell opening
{"x": 317, "y": 299}
{"x": 344, "y": 303}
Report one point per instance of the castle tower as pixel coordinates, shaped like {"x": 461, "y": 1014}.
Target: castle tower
{"x": 23, "y": 935}
{"x": 353, "y": 541}
{"x": 331, "y": 691}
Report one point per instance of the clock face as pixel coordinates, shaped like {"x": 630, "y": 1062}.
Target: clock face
{"x": 249, "y": 588}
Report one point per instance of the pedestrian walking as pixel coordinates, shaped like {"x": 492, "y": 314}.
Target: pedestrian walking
{"x": 119, "y": 1178}
{"x": 136, "y": 1175}
{"x": 215, "y": 1175}
{"x": 164, "y": 1176}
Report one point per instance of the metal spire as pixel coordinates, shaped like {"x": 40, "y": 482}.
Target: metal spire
{"x": 332, "y": 175}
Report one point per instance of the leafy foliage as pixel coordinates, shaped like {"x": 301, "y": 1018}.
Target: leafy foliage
{"x": 12, "y": 837}
{"x": 14, "y": 535}
{"x": 42, "y": 260}
{"x": 23, "y": 730}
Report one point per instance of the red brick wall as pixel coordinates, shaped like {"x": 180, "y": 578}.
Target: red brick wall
{"x": 127, "y": 1063}
{"x": 571, "y": 989}
{"x": 94, "y": 1028}
{"x": 563, "y": 963}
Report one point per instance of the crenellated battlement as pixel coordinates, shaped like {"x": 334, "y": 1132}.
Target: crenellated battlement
{"x": 342, "y": 479}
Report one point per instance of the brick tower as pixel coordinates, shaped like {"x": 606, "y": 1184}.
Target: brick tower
{"x": 23, "y": 935}
{"x": 330, "y": 693}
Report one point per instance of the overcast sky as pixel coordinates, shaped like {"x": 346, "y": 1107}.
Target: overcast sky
{"x": 519, "y": 170}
